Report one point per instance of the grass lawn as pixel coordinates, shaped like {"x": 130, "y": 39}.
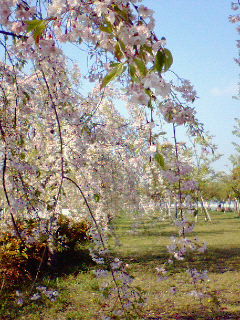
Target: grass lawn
{"x": 144, "y": 249}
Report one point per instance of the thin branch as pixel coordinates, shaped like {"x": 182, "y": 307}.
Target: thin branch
{"x": 12, "y": 34}
{"x": 89, "y": 209}
{"x": 60, "y": 137}
{"x": 8, "y": 200}
{"x": 178, "y": 170}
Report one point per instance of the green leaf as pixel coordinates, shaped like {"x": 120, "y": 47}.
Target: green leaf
{"x": 168, "y": 59}
{"x": 97, "y": 197}
{"x": 133, "y": 73}
{"x": 24, "y": 254}
{"x": 107, "y": 29}
{"x": 119, "y": 54}
{"x": 114, "y": 73}
{"x": 122, "y": 45}
{"x": 149, "y": 92}
{"x": 26, "y": 95}
{"x": 37, "y": 27}
{"x": 160, "y": 61}
{"x": 22, "y": 155}
{"x": 150, "y": 105}
{"x": 106, "y": 292}
{"x": 122, "y": 13}
{"x": 132, "y": 70}
{"x": 141, "y": 66}
{"x": 114, "y": 64}
{"x": 8, "y": 246}
{"x": 160, "y": 160}
{"x": 164, "y": 60}
{"x": 21, "y": 140}
{"x": 147, "y": 49}
{"x": 32, "y": 24}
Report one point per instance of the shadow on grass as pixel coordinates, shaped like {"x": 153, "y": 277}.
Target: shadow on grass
{"x": 70, "y": 262}
{"x": 153, "y": 233}
{"x": 200, "y": 315}
{"x": 214, "y": 232}
{"x": 221, "y": 260}
{"x": 214, "y": 260}
{"x": 62, "y": 264}
{"x": 158, "y": 231}
{"x": 168, "y": 234}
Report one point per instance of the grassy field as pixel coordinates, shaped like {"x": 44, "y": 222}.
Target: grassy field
{"x": 144, "y": 248}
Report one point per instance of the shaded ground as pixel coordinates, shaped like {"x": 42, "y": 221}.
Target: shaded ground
{"x": 198, "y": 316}
{"x": 144, "y": 248}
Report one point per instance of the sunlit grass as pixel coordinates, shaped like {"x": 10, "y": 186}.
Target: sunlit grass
{"x": 144, "y": 248}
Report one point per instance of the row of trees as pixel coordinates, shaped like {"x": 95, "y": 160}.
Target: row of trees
{"x": 226, "y": 186}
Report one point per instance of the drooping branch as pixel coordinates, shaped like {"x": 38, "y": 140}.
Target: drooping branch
{"x": 60, "y": 136}
{"x": 88, "y": 207}
{"x": 8, "y": 200}
{"x": 100, "y": 237}
{"x": 178, "y": 170}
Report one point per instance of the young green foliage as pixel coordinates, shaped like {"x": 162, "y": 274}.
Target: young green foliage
{"x": 113, "y": 74}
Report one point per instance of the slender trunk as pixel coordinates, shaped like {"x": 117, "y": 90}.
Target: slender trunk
{"x": 238, "y": 207}
{"x": 176, "y": 210}
{"x": 205, "y": 210}
{"x": 168, "y": 204}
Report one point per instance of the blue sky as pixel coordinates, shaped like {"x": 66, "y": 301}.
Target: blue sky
{"x": 203, "y": 43}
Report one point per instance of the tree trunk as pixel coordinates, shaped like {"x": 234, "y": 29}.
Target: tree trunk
{"x": 205, "y": 210}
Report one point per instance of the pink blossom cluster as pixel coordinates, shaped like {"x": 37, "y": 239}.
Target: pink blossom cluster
{"x": 179, "y": 247}
{"x": 189, "y": 185}
{"x": 187, "y": 91}
{"x": 184, "y": 226}
{"x": 198, "y": 276}
{"x": 162, "y": 273}
{"x": 177, "y": 113}
{"x": 117, "y": 273}
{"x": 22, "y": 12}
{"x": 171, "y": 176}
{"x": 235, "y": 18}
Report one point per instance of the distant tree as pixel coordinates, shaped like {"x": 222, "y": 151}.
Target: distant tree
{"x": 235, "y": 158}
{"x": 235, "y": 185}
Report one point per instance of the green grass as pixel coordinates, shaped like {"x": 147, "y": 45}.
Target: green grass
{"x": 144, "y": 248}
